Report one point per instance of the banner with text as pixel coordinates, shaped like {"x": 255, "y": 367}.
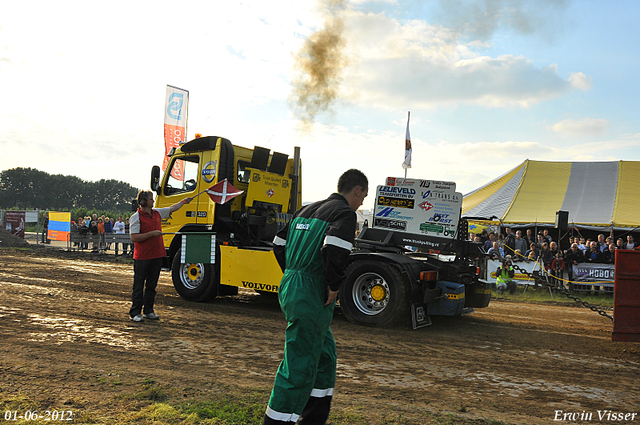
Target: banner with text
{"x": 518, "y": 277}
{"x": 593, "y": 272}
{"x": 14, "y": 222}
{"x": 175, "y": 125}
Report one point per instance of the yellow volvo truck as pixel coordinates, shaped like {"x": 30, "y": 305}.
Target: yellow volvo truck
{"x": 397, "y": 271}
{"x": 243, "y": 228}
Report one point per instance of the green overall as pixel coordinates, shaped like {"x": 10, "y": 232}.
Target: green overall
{"x": 305, "y": 380}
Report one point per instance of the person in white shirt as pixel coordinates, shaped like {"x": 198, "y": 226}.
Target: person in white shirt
{"x": 631, "y": 244}
{"x": 118, "y": 229}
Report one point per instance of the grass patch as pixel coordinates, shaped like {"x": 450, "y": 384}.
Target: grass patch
{"x": 12, "y": 407}
{"x": 542, "y": 296}
{"x": 226, "y": 405}
{"x": 17, "y": 402}
{"x": 151, "y": 391}
{"x": 228, "y": 408}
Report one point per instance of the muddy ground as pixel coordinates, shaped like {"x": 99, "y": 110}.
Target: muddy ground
{"x": 66, "y": 341}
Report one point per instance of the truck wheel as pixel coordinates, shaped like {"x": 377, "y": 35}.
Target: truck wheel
{"x": 374, "y": 294}
{"x": 194, "y": 281}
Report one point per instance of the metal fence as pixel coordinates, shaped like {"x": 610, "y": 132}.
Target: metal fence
{"x": 102, "y": 242}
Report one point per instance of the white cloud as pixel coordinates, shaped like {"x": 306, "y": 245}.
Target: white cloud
{"x": 582, "y": 127}
{"x": 581, "y": 81}
{"x": 415, "y": 64}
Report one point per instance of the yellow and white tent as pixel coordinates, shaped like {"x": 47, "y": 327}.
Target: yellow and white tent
{"x": 596, "y": 194}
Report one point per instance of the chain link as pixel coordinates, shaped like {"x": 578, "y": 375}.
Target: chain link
{"x": 564, "y": 291}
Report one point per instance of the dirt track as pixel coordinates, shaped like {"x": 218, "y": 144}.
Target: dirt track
{"x": 66, "y": 340}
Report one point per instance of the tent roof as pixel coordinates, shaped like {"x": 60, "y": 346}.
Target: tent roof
{"x": 600, "y": 194}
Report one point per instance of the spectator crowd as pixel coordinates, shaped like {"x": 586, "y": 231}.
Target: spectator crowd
{"x": 93, "y": 229}
{"x": 516, "y": 246}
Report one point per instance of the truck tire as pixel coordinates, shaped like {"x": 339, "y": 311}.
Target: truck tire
{"x": 374, "y": 294}
{"x": 194, "y": 281}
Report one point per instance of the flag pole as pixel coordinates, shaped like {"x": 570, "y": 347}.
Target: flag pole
{"x": 198, "y": 194}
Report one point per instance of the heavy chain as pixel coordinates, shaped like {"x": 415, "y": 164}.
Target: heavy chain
{"x": 564, "y": 291}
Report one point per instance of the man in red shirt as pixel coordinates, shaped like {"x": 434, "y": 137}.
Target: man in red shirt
{"x": 146, "y": 234}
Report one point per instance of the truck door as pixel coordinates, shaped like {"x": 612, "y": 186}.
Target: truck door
{"x": 181, "y": 182}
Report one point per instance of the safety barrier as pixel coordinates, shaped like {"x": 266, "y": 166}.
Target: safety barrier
{"x": 79, "y": 242}
{"x": 626, "y": 300}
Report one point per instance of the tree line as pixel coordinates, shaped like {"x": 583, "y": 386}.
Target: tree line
{"x": 28, "y": 189}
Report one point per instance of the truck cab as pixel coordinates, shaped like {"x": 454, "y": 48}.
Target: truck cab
{"x": 242, "y": 228}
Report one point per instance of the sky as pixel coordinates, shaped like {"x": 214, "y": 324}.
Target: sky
{"x": 489, "y": 84}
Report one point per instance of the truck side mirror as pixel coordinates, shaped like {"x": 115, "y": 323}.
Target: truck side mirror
{"x": 155, "y": 178}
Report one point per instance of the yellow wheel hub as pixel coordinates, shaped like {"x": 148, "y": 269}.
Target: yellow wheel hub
{"x": 194, "y": 272}
{"x": 378, "y": 293}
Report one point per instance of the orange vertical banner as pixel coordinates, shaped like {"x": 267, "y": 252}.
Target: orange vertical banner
{"x": 175, "y": 125}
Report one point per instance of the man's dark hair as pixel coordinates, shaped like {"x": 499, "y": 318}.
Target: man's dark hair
{"x": 350, "y": 179}
{"x": 142, "y": 197}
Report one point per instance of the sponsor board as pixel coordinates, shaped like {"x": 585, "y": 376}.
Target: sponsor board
{"x": 392, "y": 201}
{"x": 390, "y": 224}
{"x": 14, "y": 223}
{"x": 410, "y": 209}
{"x": 584, "y": 273}
{"x": 418, "y": 184}
{"x": 519, "y": 277}
{"x": 593, "y": 272}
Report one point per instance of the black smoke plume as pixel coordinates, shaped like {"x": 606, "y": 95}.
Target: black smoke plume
{"x": 319, "y": 65}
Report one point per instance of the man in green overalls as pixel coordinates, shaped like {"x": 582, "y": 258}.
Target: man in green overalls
{"x": 313, "y": 251}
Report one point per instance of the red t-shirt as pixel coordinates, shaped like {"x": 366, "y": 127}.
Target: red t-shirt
{"x": 141, "y": 222}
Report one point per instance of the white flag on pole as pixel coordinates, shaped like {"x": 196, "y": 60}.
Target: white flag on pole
{"x": 407, "y": 147}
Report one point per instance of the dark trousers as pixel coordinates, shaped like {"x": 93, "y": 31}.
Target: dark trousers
{"x": 145, "y": 280}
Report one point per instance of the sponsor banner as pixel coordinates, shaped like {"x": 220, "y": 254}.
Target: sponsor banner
{"x": 390, "y": 224}
{"x": 593, "y": 272}
{"x": 410, "y": 209}
{"x": 519, "y": 277}
{"x": 418, "y": 184}
{"x": 175, "y": 125}
{"x": 477, "y": 226}
{"x": 14, "y": 222}
{"x": 583, "y": 272}
{"x": 59, "y": 226}
{"x": 173, "y": 136}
